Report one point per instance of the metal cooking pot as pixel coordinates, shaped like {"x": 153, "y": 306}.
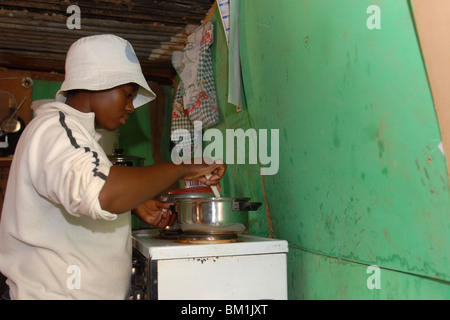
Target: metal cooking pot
{"x": 209, "y": 215}
{"x": 171, "y": 196}
{"x": 118, "y": 158}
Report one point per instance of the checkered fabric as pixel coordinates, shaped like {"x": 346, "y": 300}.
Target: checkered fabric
{"x": 180, "y": 120}
{"x": 201, "y": 104}
{"x": 204, "y": 107}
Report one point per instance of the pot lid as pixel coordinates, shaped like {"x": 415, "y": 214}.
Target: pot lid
{"x": 117, "y": 154}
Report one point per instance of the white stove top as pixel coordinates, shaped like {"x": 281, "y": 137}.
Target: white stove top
{"x": 152, "y": 247}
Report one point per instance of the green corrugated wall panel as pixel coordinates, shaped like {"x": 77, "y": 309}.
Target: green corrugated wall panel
{"x": 361, "y": 177}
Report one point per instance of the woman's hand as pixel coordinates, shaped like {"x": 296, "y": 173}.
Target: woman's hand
{"x": 156, "y": 213}
{"x": 199, "y": 171}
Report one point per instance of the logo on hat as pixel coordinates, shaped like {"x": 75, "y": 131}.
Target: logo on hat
{"x": 131, "y": 56}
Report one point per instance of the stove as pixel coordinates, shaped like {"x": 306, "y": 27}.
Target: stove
{"x": 207, "y": 267}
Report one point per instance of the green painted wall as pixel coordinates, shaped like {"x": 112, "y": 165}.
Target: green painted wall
{"x": 240, "y": 180}
{"x": 135, "y": 136}
{"x": 45, "y": 89}
{"x": 361, "y": 181}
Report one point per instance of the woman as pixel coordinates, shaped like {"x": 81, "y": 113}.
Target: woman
{"x": 65, "y": 229}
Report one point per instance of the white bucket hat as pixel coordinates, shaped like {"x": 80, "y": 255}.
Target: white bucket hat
{"x": 103, "y": 62}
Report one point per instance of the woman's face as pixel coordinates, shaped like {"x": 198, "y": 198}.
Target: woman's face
{"x": 112, "y": 106}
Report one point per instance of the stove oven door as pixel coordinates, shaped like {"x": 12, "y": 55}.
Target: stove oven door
{"x": 244, "y": 277}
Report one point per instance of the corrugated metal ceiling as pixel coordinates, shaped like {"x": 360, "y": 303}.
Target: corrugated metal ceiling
{"x": 34, "y": 35}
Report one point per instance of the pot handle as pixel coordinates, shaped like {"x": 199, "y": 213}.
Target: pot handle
{"x": 246, "y": 206}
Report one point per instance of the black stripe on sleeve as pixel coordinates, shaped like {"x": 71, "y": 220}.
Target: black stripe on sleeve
{"x": 62, "y": 120}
